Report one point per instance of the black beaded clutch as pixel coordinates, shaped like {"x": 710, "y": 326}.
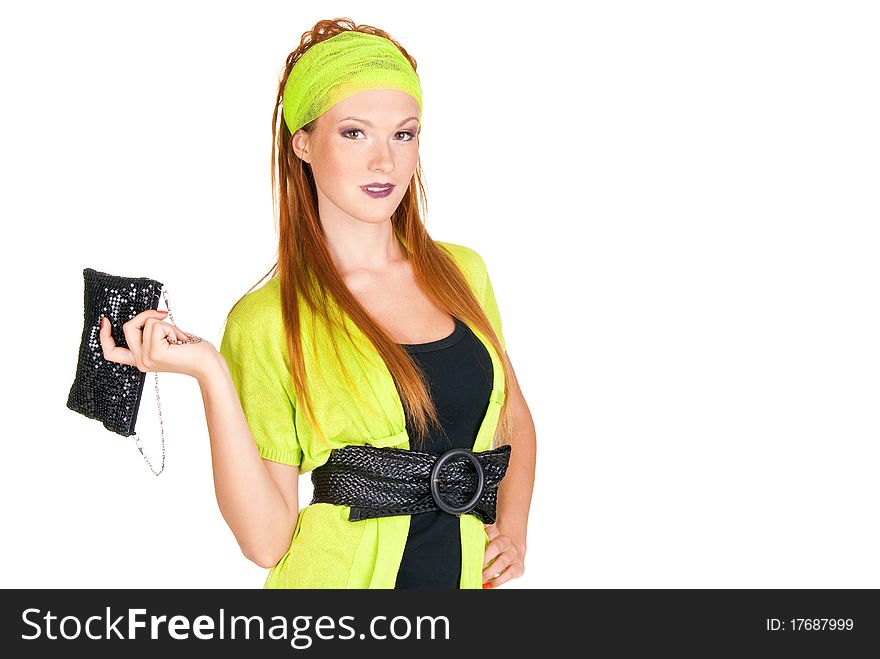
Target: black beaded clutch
{"x": 104, "y": 390}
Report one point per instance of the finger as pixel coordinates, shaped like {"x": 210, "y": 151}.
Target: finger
{"x": 494, "y": 578}
{"x": 511, "y": 572}
{"x": 177, "y": 333}
{"x": 495, "y": 547}
{"x": 492, "y": 531}
{"x": 508, "y": 566}
{"x": 155, "y": 341}
{"x": 180, "y": 334}
{"x": 157, "y": 333}
{"x": 172, "y": 331}
{"x": 134, "y": 330}
{"x": 497, "y": 568}
{"x": 491, "y": 568}
{"x": 113, "y": 352}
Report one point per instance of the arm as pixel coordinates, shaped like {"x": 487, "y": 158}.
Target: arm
{"x": 515, "y": 491}
{"x": 257, "y": 497}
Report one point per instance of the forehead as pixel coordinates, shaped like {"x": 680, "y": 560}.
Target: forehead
{"x": 379, "y": 106}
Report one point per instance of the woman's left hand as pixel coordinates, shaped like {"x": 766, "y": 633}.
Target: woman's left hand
{"x": 509, "y": 559}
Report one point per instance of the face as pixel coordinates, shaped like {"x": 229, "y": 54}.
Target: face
{"x": 370, "y": 138}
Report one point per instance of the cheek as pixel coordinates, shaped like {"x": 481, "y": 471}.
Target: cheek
{"x": 336, "y": 160}
{"x": 336, "y": 171}
{"x": 410, "y": 158}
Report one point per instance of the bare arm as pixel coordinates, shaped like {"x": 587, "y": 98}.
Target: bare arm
{"x": 515, "y": 491}
{"x": 257, "y": 497}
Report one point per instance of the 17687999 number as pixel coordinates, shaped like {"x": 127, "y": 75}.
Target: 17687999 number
{"x": 810, "y": 624}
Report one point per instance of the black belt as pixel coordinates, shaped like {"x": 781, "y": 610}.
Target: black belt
{"x": 380, "y": 482}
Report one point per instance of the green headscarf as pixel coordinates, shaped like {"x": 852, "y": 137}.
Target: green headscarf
{"x": 343, "y": 65}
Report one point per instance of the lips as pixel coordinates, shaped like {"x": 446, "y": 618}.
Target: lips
{"x": 377, "y": 190}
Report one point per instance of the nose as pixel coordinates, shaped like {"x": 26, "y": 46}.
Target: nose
{"x": 382, "y": 158}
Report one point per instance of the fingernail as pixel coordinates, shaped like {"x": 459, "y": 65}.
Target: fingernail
{"x": 162, "y": 310}
{"x": 487, "y": 585}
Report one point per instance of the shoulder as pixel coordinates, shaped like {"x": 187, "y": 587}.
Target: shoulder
{"x": 259, "y": 311}
{"x": 467, "y": 259}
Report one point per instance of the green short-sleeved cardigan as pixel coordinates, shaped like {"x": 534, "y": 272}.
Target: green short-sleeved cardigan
{"x": 327, "y": 550}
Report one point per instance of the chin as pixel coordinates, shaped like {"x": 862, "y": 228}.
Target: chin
{"x": 374, "y": 218}
{"x": 377, "y": 212}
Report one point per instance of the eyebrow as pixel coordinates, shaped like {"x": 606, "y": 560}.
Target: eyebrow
{"x": 369, "y": 123}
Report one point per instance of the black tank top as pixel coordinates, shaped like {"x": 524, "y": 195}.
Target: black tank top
{"x": 458, "y": 370}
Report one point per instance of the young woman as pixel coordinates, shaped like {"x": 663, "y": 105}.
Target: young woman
{"x": 373, "y": 357}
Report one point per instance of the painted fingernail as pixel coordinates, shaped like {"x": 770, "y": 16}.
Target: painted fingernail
{"x": 487, "y": 585}
{"x": 162, "y": 310}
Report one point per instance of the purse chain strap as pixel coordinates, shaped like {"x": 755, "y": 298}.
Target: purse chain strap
{"x": 140, "y": 445}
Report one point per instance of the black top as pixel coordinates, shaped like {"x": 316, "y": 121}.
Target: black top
{"x": 458, "y": 370}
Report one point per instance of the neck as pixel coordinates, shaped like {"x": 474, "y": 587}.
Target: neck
{"x": 362, "y": 246}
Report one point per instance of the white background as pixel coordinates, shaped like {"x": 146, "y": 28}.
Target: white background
{"x": 678, "y": 206}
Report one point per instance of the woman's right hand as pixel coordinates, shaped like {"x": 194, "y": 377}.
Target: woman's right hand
{"x": 149, "y": 350}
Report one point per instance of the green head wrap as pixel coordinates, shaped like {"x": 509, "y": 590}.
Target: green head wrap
{"x": 339, "y": 67}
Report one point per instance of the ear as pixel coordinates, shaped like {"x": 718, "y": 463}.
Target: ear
{"x": 300, "y": 143}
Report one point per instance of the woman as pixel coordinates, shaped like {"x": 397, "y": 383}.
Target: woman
{"x": 370, "y": 344}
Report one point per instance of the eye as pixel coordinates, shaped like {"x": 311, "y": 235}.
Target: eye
{"x": 348, "y": 133}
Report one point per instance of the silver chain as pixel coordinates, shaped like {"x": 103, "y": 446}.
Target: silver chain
{"x": 194, "y": 339}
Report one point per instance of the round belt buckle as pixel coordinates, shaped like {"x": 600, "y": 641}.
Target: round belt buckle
{"x": 435, "y": 488}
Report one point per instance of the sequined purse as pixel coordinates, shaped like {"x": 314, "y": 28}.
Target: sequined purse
{"x": 107, "y": 391}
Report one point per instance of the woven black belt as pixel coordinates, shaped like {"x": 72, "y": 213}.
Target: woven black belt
{"x": 380, "y": 482}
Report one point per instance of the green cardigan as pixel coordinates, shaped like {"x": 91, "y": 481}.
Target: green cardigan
{"x": 327, "y": 550}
